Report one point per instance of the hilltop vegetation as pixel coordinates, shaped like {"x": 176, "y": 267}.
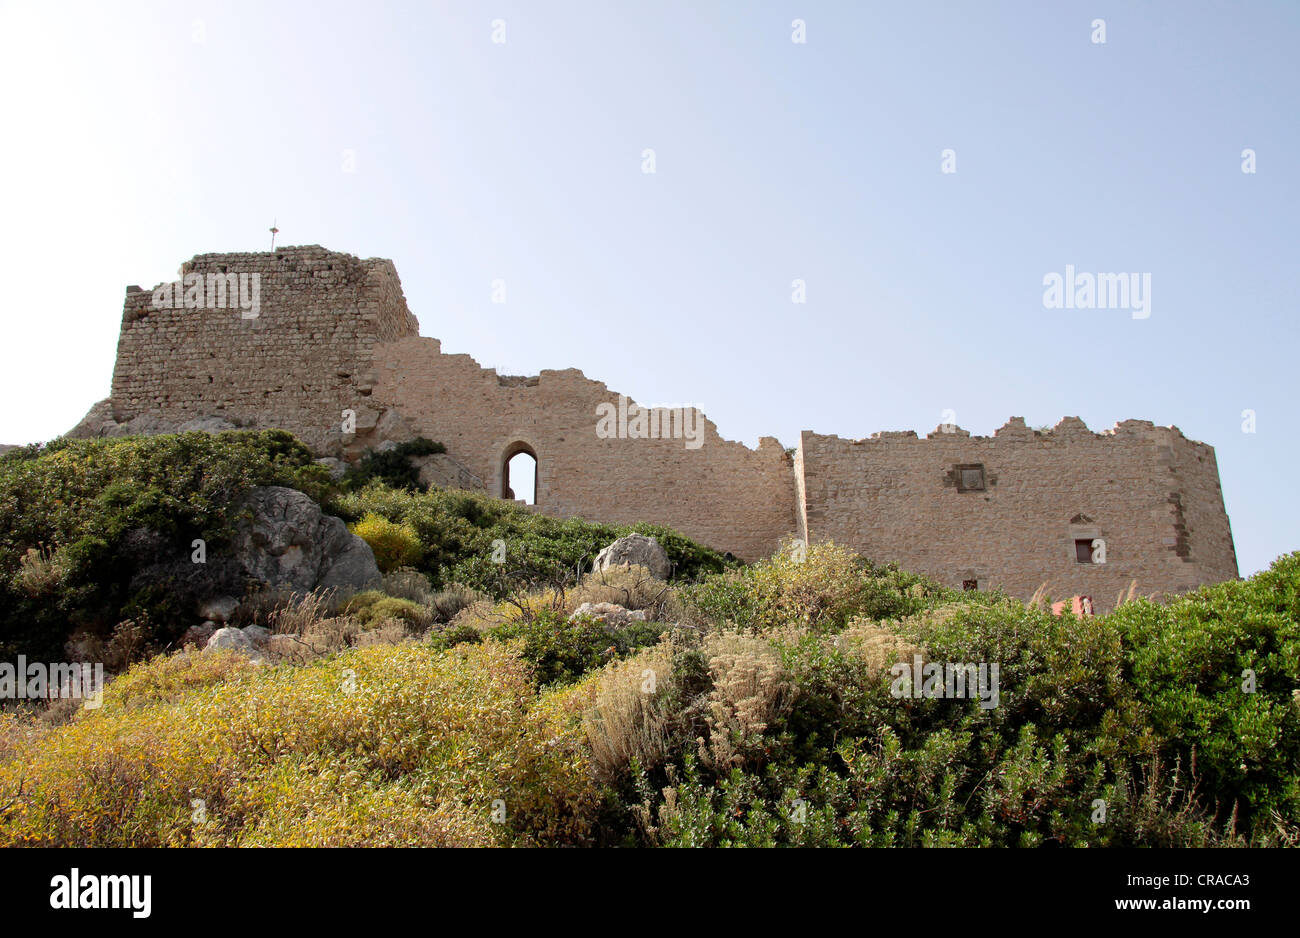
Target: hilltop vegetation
{"x": 464, "y": 703}
{"x": 100, "y": 532}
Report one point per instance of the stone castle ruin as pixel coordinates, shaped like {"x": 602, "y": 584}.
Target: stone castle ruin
{"x": 322, "y": 344}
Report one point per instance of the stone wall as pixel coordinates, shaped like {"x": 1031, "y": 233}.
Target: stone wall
{"x": 333, "y": 335}
{"x": 1149, "y": 493}
{"x": 721, "y": 493}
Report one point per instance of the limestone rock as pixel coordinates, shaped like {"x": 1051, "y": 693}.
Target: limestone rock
{"x": 446, "y": 472}
{"x": 289, "y": 543}
{"x": 93, "y": 424}
{"x": 144, "y": 425}
{"x": 392, "y": 428}
{"x": 229, "y": 638}
{"x": 336, "y": 467}
{"x": 612, "y": 614}
{"x": 257, "y": 635}
{"x": 636, "y": 550}
{"x": 100, "y": 421}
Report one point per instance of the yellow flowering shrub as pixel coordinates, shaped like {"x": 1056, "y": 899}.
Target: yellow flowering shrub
{"x": 427, "y": 746}
{"x": 395, "y": 545}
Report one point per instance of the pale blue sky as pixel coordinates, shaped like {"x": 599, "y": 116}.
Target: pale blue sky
{"x": 137, "y": 135}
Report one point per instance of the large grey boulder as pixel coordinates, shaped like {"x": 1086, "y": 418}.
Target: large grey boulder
{"x": 636, "y": 550}
{"x": 289, "y": 543}
{"x": 231, "y": 638}
{"x": 239, "y": 641}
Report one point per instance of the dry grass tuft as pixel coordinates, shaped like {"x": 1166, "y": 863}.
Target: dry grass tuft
{"x": 628, "y": 719}
{"x": 1123, "y": 598}
{"x": 301, "y": 615}
{"x": 631, "y": 587}
{"x": 750, "y": 688}
{"x": 875, "y": 644}
{"x": 40, "y": 571}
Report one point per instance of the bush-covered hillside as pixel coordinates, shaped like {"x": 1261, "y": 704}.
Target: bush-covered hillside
{"x": 466, "y": 703}
{"x": 97, "y": 532}
{"x": 94, "y": 532}
{"x": 456, "y": 534}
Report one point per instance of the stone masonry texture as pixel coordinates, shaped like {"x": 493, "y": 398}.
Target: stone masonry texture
{"x": 333, "y": 342}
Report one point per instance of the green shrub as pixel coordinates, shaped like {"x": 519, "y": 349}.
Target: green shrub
{"x": 455, "y": 635}
{"x": 113, "y": 522}
{"x": 561, "y": 651}
{"x": 372, "y": 607}
{"x": 1073, "y": 728}
{"x": 459, "y": 533}
{"x": 1218, "y": 669}
{"x": 392, "y": 466}
{"x": 823, "y": 585}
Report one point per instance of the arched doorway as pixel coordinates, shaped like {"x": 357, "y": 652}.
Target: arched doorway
{"x": 519, "y": 473}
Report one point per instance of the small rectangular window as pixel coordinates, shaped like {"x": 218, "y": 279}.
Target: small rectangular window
{"x": 970, "y": 478}
{"x": 1083, "y": 550}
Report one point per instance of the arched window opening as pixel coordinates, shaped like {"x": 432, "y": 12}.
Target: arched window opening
{"x": 519, "y": 474}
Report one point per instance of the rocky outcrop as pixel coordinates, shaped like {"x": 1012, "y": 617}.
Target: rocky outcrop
{"x": 101, "y": 422}
{"x": 96, "y": 418}
{"x": 636, "y": 550}
{"x": 446, "y": 472}
{"x": 381, "y": 430}
{"x": 289, "y": 543}
{"x": 205, "y": 425}
{"x": 284, "y": 542}
{"x": 258, "y": 635}
{"x": 612, "y": 615}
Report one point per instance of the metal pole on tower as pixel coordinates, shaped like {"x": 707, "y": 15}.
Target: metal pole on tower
{"x": 273, "y": 233}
